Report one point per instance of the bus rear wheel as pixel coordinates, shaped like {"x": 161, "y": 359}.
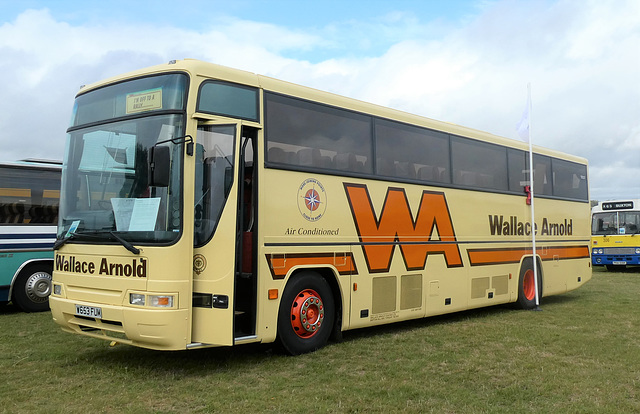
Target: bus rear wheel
{"x": 526, "y": 285}
{"x": 32, "y": 288}
{"x": 306, "y": 314}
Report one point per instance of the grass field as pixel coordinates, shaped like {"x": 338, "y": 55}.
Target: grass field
{"x": 581, "y": 354}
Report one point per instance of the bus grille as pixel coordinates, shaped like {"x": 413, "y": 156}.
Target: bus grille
{"x": 619, "y": 250}
{"x": 99, "y": 328}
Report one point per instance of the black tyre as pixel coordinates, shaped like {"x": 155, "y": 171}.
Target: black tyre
{"x": 32, "y": 288}
{"x": 526, "y": 285}
{"x": 306, "y": 314}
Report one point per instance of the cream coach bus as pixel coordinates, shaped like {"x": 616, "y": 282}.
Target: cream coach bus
{"x": 206, "y": 206}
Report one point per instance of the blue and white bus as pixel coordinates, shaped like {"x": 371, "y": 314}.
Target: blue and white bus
{"x": 615, "y": 234}
{"x": 29, "y": 194}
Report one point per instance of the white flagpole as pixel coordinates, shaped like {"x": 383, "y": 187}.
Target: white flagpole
{"x": 533, "y": 214}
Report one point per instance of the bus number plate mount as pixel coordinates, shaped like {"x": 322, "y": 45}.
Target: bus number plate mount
{"x": 89, "y": 311}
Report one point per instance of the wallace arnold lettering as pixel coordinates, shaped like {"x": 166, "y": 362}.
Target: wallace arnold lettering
{"x": 136, "y": 268}
{"x": 513, "y": 226}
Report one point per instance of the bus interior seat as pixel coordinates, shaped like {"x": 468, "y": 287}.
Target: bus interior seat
{"x": 346, "y": 162}
{"x": 385, "y": 167}
{"x": 12, "y": 213}
{"x": 405, "y": 169}
{"x": 310, "y": 157}
{"x": 276, "y": 154}
{"x": 427, "y": 173}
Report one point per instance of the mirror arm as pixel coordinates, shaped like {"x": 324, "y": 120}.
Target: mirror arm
{"x": 188, "y": 139}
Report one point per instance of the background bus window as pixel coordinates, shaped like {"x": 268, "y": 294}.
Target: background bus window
{"x": 604, "y": 223}
{"x": 405, "y": 151}
{"x": 29, "y": 196}
{"x": 629, "y": 221}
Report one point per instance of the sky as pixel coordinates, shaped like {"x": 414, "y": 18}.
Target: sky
{"x": 462, "y": 61}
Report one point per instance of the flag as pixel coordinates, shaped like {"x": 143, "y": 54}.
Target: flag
{"x": 523, "y": 125}
{"x": 524, "y": 130}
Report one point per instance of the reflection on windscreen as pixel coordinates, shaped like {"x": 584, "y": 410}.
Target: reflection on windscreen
{"x": 108, "y": 151}
{"x": 106, "y": 184}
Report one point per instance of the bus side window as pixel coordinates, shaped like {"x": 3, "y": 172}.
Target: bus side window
{"x": 13, "y": 213}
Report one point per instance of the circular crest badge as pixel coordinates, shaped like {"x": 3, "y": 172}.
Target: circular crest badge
{"x": 312, "y": 199}
{"x": 199, "y": 263}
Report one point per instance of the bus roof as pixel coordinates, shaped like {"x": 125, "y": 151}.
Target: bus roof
{"x": 205, "y": 70}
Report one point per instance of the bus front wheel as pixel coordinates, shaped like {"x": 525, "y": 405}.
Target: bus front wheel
{"x": 306, "y": 314}
{"x": 32, "y": 288}
{"x": 526, "y": 285}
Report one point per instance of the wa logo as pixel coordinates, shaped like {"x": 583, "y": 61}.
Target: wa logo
{"x": 427, "y": 232}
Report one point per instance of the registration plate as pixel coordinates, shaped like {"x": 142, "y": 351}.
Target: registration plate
{"x": 89, "y": 311}
{"x": 619, "y": 263}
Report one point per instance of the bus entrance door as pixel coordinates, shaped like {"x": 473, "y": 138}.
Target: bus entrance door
{"x": 215, "y": 226}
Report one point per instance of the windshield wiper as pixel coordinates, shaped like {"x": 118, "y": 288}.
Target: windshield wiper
{"x": 61, "y": 242}
{"x": 133, "y": 249}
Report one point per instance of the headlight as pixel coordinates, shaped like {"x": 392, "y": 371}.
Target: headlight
{"x": 57, "y": 289}
{"x": 637, "y": 250}
{"x": 156, "y": 301}
{"x": 601, "y": 251}
{"x": 136, "y": 299}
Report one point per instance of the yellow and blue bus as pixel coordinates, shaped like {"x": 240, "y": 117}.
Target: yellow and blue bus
{"x": 615, "y": 230}
{"x": 29, "y": 192}
{"x": 206, "y": 206}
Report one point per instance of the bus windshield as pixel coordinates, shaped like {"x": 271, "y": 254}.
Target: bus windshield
{"x": 105, "y": 181}
{"x": 616, "y": 222}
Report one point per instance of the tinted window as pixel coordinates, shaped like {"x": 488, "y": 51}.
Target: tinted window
{"x": 478, "y": 164}
{"x": 518, "y": 170}
{"x": 542, "y": 183}
{"x": 569, "y": 179}
{"x": 409, "y": 152}
{"x": 228, "y": 99}
{"x": 153, "y": 93}
{"x": 306, "y": 134}
{"x": 311, "y": 135}
{"x": 29, "y": 195}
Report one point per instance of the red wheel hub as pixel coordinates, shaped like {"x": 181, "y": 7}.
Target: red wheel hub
{"x": 528, "y": 285}
{"x": 307, "y": 313}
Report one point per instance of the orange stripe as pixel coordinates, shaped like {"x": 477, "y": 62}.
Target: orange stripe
{"x": 15, "y": 192}
{"x": 281, "y": 264}
{"x": 51, "y": 194}
{"x": 482, "y": 257}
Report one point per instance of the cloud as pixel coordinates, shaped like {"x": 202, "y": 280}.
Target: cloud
{"x": 580, "y": 57}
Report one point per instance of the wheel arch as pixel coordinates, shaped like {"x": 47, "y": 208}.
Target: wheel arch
{"x": 26, "y": 265}
{"x": 526, "y": 296}
{"x": 330, "y": 274}
{"x": 528, "y": 260}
